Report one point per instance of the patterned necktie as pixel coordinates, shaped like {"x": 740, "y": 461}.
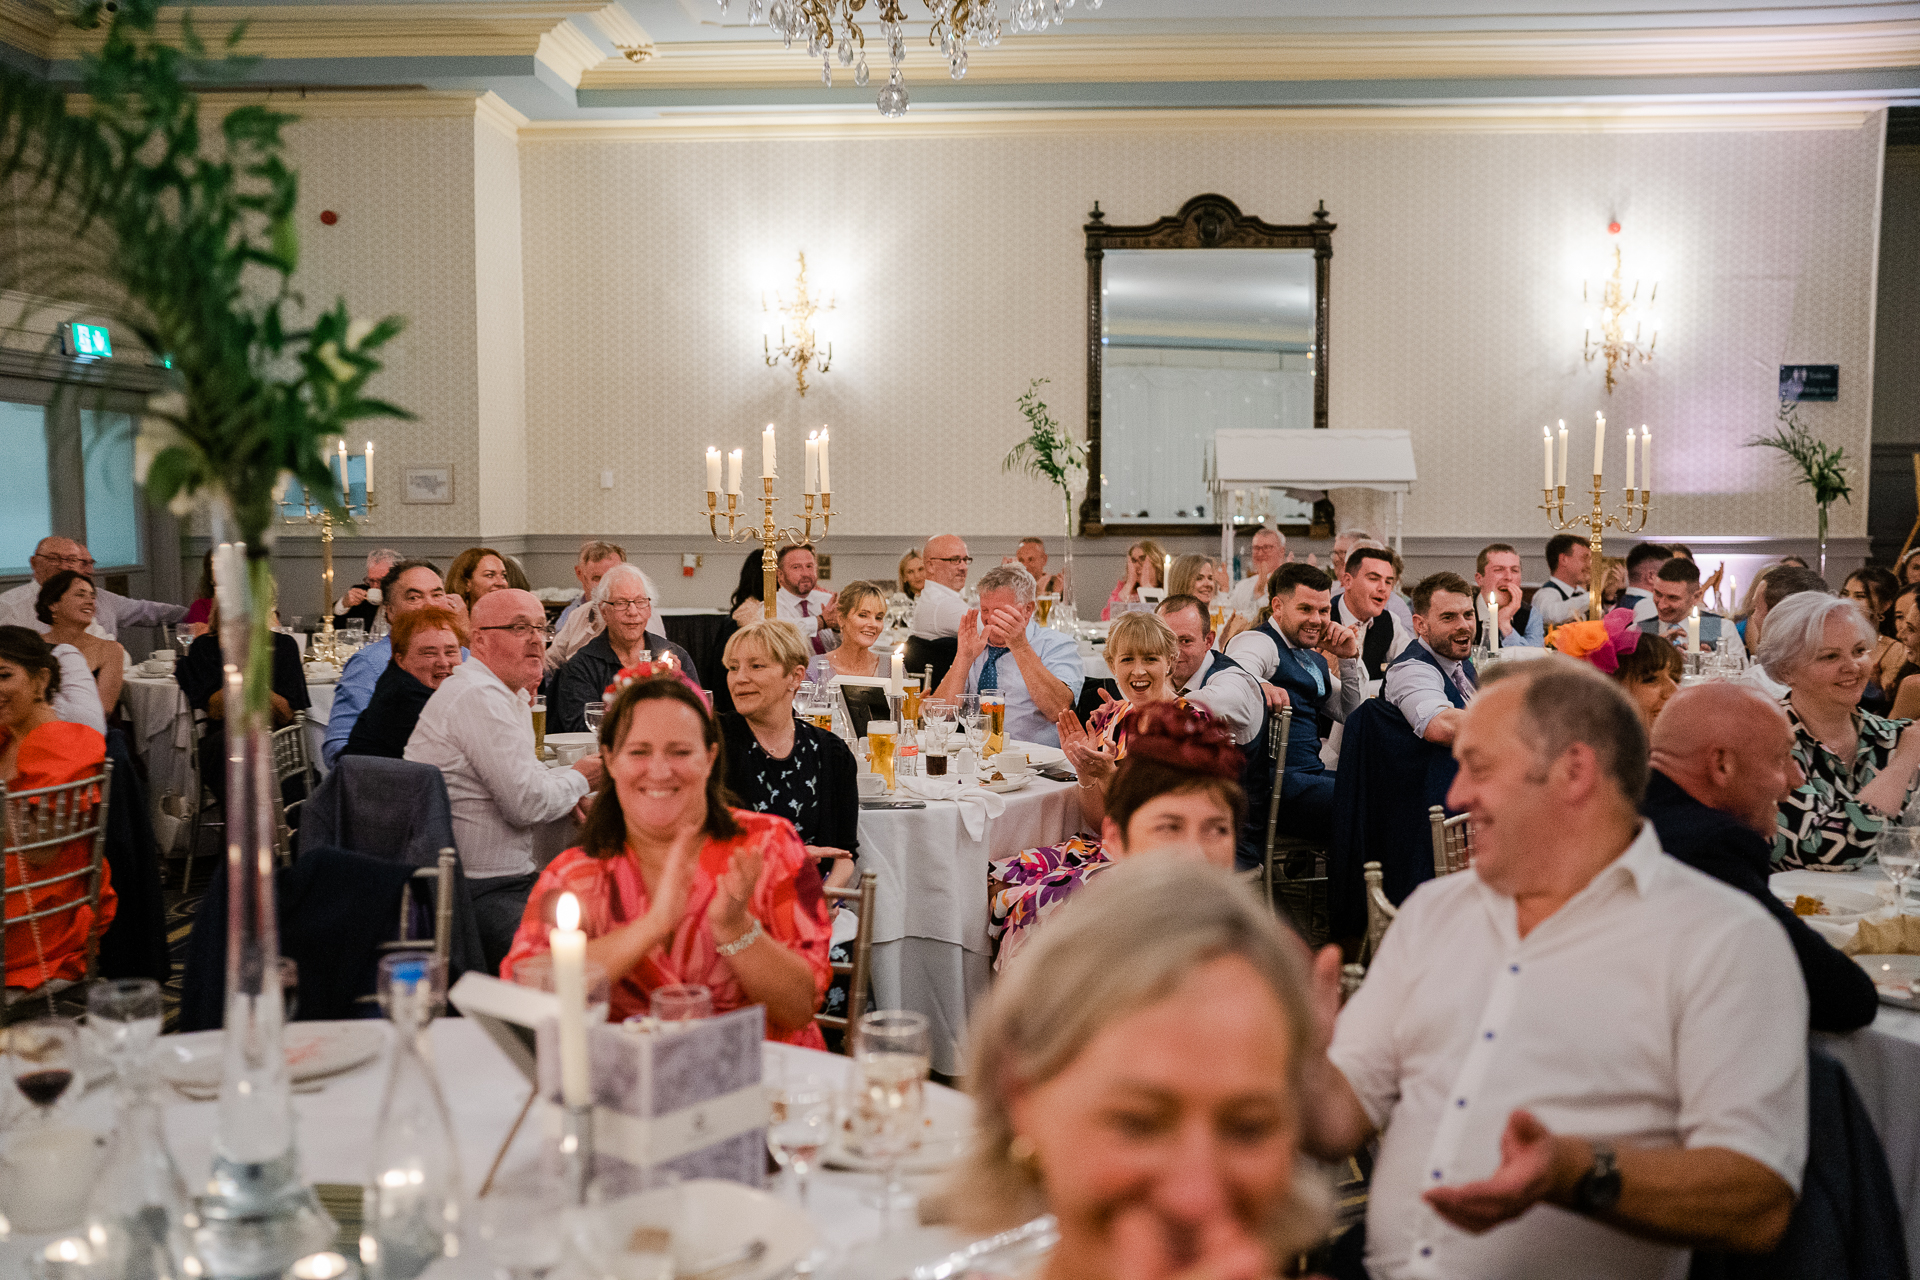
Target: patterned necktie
{"x": 1466, "y": 678}
{"x": 990, "y": 673}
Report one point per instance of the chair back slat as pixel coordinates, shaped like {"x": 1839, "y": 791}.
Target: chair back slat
{"x": 1380, "y": 912}
{"x": 37, "y": 818}
{"x": 1452, "y": 841}
{"x": 862, "y": 897}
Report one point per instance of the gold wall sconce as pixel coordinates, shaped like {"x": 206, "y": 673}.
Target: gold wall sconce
{"x": 1619, "y": 302}
{"x": 802, "y": 340}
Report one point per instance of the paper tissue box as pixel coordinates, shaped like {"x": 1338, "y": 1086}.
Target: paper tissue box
{"x": 684, "y": 1096}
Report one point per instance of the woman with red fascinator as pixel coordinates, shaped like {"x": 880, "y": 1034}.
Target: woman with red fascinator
{"x": 1176, "y": 789}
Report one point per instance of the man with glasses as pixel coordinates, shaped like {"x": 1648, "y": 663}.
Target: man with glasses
{"x": 111, "y": 611}
{"x": 477, "y": 730}
{"x": 937, "y": 614}
{"x": 409, "y": 585}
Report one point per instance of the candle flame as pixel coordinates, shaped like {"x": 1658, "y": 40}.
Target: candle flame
{"x": 899, "y": 650}
{"x": 566, "y": 912}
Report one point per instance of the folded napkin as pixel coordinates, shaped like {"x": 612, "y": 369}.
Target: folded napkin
{"x": 1899, "y": 936}
{"x": 977, "y": 805}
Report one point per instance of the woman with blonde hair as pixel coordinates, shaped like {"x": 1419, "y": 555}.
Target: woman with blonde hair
{"x": 1143, "y": 1085}
{"x": 1192, "y": 575}
{"x": 1141, "y": 652}
{"x": 863, "y": 617}
{"x": 1146, "y": 562}
{"x": 912, "y": 573}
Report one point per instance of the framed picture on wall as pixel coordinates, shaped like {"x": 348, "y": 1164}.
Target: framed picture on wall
{"x": 426, "y": 484}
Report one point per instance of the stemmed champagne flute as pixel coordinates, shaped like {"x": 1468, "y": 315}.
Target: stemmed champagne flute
{"x": 800, "y": 1121}
{"x": 892, "y": 1052}
{"x": 123, "y": 1021}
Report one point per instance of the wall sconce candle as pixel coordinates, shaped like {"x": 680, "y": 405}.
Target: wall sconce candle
{"x": 1617, "y": 299}
{"x": 805, "y": 349}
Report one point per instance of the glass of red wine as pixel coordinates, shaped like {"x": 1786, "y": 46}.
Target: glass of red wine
{"x": 44, "y": 1055}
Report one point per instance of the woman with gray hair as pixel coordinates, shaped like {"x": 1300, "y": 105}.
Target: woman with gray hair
{"x": 1143, "y": 1086}
{"x": 1859, "y": 767}
{"x": 621, "y": 607}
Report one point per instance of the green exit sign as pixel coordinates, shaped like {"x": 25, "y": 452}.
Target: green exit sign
{"x": 88, "y": 341}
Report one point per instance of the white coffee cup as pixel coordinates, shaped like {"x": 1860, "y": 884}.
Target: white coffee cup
{"x": 373, "y": 595}
{"x": 872, "y": 785}
{"x": 162, "y": 657}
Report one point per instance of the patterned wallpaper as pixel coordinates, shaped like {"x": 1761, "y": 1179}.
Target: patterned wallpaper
{"x": 957, "y": 263}
{"x": 500, "y": 311}
{"x": 404, "y": 242}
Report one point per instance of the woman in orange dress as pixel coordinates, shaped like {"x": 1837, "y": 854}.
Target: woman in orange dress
{"x": 36, "y": 750}
{"x": 674, "y": 885}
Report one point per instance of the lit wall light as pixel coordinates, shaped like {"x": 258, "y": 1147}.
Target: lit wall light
{"x": 1621, "y": 308}
{"x": 801, "y": 322}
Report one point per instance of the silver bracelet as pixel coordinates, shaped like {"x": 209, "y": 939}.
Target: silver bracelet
{"x": 742, "y": 942}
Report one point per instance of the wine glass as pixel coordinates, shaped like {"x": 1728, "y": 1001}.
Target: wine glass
{"x": 800, "y": 1120}
{"x": 45, "y": 1053}
{"x": 892, "y": 1052}
{"x": 520, "y": 1222}
{"x": 680, "y": 1002}
{"x": 123, "y": 1021}
{"x": 595, "y": 713}
{"x": 1899, "y": 852}
{"x": 184, "y": 639}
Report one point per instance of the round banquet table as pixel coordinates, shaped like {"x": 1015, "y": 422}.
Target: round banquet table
{"x": 930, "y": 947}
{"x": 484, "y": 1092}
{"x": 163, "y": 729}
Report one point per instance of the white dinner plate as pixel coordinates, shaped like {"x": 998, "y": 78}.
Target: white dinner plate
{"x": 314, "y": 1049}
{"x": 716, "y": 1218}
{"x": 948, "y": 1122}
{"x": 1899, "y": 969}
{"x": 1037, "y": 754}
{"x": 1014, "y": 782}
{"x": 1844, "y": 906}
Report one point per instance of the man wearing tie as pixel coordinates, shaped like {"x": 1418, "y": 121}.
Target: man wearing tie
{"x": 1002, "y": 649}
{"x": 1434, "y": 680}
{"x": 800, "y": 603}
{"x": 1366, "y": 585}
{"x": 1205, "y": 676}
{"x": 1676, "y": 591}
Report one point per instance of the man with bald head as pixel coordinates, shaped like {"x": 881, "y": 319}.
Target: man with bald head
{"x": 477, "y": 729}
{"x": 111, "y": 611}
{"x": 937, "y": 614}
{"x": 1722, "y": 760}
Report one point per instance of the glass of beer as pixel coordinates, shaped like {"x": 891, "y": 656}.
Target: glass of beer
{"x": 993, "y": 706}
{"x": 910, "y": 693}
{"x": 880, "y": 740}
{"x": 1043, "y": 608}
{"x": 539, "y": 727}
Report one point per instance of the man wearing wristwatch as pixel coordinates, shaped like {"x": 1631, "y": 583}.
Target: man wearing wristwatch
{"x": 1583, "y": 1057}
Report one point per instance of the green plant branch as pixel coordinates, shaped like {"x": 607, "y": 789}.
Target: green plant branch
{"x": 1047, "y": 453}
{"x": 1819, "y": 465}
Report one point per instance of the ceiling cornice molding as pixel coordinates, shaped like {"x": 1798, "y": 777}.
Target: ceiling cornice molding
{"x": 569, "y": 52}
{"x": 1768, "y": 116}
{"x": 363, "y": 104}
{"x": 496, "y": 112}
{"x": 472, "y": 28}
{"x": 1068, "y": 58}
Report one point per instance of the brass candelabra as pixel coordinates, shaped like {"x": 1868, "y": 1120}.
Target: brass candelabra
{"x": 361, "y": 513}
{"x": 769, "y": 532}
{"x": 1631, "y": 519}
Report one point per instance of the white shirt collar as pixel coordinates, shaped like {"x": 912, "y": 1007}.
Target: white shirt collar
{"x": 1200, "y": 672}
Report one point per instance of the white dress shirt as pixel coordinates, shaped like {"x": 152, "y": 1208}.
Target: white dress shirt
{"x": 1232, "y": 697}
{"x": 787, "y": 608}
{"x": 111, "y": 611}
{"x": 479, "y": 734}
{"x": 1255, "y": 651}
{"x": 1245, "y": 598}
{"x": 1402, "y": 631}
{"x": 1659, "y": 1008}
{"x": 1551, "y": 608}
{"x": 1420, "y": 692}
{"x": 78, "y": 701}
{"x": 938, "y": 612}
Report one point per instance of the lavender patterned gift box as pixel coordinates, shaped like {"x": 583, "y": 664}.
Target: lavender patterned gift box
{"x": 688, "y": 1099}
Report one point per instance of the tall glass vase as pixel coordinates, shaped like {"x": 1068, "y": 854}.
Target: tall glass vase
{"x": 1066, "y": 574}
{"x": 257, "y": 1216}
{"x": 1823, "y": 539}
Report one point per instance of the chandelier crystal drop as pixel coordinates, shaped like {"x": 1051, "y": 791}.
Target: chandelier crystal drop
{"x": 831, "y": 30}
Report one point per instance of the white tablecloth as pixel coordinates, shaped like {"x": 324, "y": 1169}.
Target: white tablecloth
{"x": 484, "y": 1093}
{"x": 163, "y": 730}
{"x": 931, "y": 952}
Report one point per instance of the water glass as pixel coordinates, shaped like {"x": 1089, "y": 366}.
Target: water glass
{"x": 1899, "y": 852}
{"x": 123, "y": 1021}
{"x": 519, "y": 1220}
{"x": 799, "y": 1123}
{"x": 44, "y": 1056}
{"x": 680, "y": 1002}
{"x": 892, "y": 1052}
{"x": 595, "y": 713}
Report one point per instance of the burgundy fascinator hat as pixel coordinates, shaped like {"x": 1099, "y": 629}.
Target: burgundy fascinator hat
{"x": 1170, "y": 734}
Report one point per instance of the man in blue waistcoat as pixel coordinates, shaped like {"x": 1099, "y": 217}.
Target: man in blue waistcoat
{"x": 1676, "y": 593}
{"x": 1432, "y": 682}
{"x": 1288, "y": 654}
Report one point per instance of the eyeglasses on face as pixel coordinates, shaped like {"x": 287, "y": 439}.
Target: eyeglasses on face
{"x": 72, "y": 562}
{"x": 950, "y": 560}
{"x": 627, "y": 606}
{"x": 520, "y": 630}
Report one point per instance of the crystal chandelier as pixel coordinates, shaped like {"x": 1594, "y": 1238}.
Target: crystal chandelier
{"x": 831, "y": 33}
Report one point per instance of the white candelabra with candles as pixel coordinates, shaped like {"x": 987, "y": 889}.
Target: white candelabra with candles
{"x": 311, "y": 512}
{"x": 1630, "y": 519}
{"x": 818, "y": 484}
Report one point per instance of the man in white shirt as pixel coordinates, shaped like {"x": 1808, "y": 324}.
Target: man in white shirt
{"x": 938, "y": 611}
{"x": 477, "y": 729}
{"x": 1205, "y": 676}
{"x": 1643, "y": 567}
{"x": 1582, "y": 1056}
{"x": 1496, "y": 573}
{"x": 1366, "y": 584}
{"x": 1001, "y": 648}
{"x": 799, "y": 601}
{"x": 1564, "y": 596}
{"x": 111, "y": 611}
{"x": 1434, "y": 680}
{"x": 1268, "y": 552}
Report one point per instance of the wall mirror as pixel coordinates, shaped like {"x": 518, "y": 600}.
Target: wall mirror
{"x": 1209, "y": 318}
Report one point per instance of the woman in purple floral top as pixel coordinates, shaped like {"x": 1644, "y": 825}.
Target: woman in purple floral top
{"x": 1176, "y": 787}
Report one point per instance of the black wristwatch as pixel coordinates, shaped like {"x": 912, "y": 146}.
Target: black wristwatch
{"x": 1599, "y": 1187}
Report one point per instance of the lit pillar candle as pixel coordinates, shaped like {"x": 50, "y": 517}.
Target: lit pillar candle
{"x": 369, "y": 468}
{"x": 1646, "y": 458}
{"x": 1629, "y": 461}
{"x": 1599, "y": 443}
{"x": 733, "y": 471}
{"x": 1563, "y": 451}
{"x": 346, "y": 496}
{"x": 1546, "y": 443}
{"x": 813, "y": 464}
{"x": 899, "y": 681}
{"x": 826, "y": 483}
{"x": 569, "y": 949}
{"x": 1166, "y": 571}
{"x": 767, "y": 471}
{"x": 1493, "y": 622}
{"x": 1693, "y": 630}
{"x": 713, "y": 469}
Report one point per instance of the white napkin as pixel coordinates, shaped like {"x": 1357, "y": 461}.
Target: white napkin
{"x": 977, "y": 805}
